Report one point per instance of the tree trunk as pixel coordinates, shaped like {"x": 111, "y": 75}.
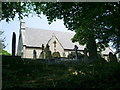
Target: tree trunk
{"x": 13, "y": 44}
{"x": 92, "y": 48}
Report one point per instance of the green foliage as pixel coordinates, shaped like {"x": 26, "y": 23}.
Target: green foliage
{"x": 10, "y": 9}
{"x": 73, "y": 55}
{"x": 112, "y": 58}
{"x": 87, "y": 19}
{"x": 56, "y": 54}
{"x": 26, "y": 73}
{"x": 3, "y": 52}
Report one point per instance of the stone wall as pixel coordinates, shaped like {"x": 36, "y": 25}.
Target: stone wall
{"x": 28, "y": 53}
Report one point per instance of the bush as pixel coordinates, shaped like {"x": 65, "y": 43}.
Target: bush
{"x": 3, "y": 52}
{"x": 56, "y": 54}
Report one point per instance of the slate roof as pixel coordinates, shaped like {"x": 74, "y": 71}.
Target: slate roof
{"x": 36, "y": 37}
{"x": 33, "y": 37}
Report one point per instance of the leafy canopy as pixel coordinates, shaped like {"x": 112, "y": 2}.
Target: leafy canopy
{"x": 100, "y": 20}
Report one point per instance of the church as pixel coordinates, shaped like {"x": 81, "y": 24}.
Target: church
{"x": 31, "y": 39}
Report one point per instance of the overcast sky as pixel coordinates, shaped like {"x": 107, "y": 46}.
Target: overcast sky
{"x": 33, "y": 22}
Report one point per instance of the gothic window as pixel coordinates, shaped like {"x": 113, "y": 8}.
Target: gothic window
{"x": 54, "y": 45}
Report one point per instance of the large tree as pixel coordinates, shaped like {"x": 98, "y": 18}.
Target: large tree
{"x": 10, "y": 9}
{"x": 90, "y": 21}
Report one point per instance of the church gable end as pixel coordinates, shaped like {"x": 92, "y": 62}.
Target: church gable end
{"x": 55, "y": 45}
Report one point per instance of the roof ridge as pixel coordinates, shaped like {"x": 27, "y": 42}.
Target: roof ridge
{"x": 50, "y": 30}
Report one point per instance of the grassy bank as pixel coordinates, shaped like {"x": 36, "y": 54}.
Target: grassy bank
{"x": 26, "y": 73}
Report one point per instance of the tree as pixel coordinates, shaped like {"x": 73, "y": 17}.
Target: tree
{"x": 90, "y": 21}
{"x": 10, "y": 9}
{"x": 2, "y": 40}
{"x": 2, "y": 45}
{"x": 76, "y": 17}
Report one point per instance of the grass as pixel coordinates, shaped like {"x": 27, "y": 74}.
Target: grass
{"x": 17, "y": 72}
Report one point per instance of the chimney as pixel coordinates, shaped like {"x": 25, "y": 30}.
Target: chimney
{"x": 22, "y": 24}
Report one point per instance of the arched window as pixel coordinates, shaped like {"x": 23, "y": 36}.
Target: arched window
{"x": 54, "y": 45}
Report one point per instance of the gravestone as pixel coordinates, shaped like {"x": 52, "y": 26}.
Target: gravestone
{"x": 70, "y": 55}
{"x": 42, "y": 47}
{"x": 42, "y": 56}
{"x": 34, "y": 54}
{"x": 76, "y": 53}
{"x": 47, "y": 52}
{"x": 112, "y": 57}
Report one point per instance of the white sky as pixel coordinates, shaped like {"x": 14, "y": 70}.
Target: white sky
{"x": 33, "y": 22}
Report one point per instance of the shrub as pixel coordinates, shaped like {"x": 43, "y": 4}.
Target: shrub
{"x": 56, "y": 54}
{"x": 3, "y": 52}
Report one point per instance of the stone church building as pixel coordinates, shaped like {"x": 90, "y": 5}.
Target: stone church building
{"x": 31, "y": 39}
